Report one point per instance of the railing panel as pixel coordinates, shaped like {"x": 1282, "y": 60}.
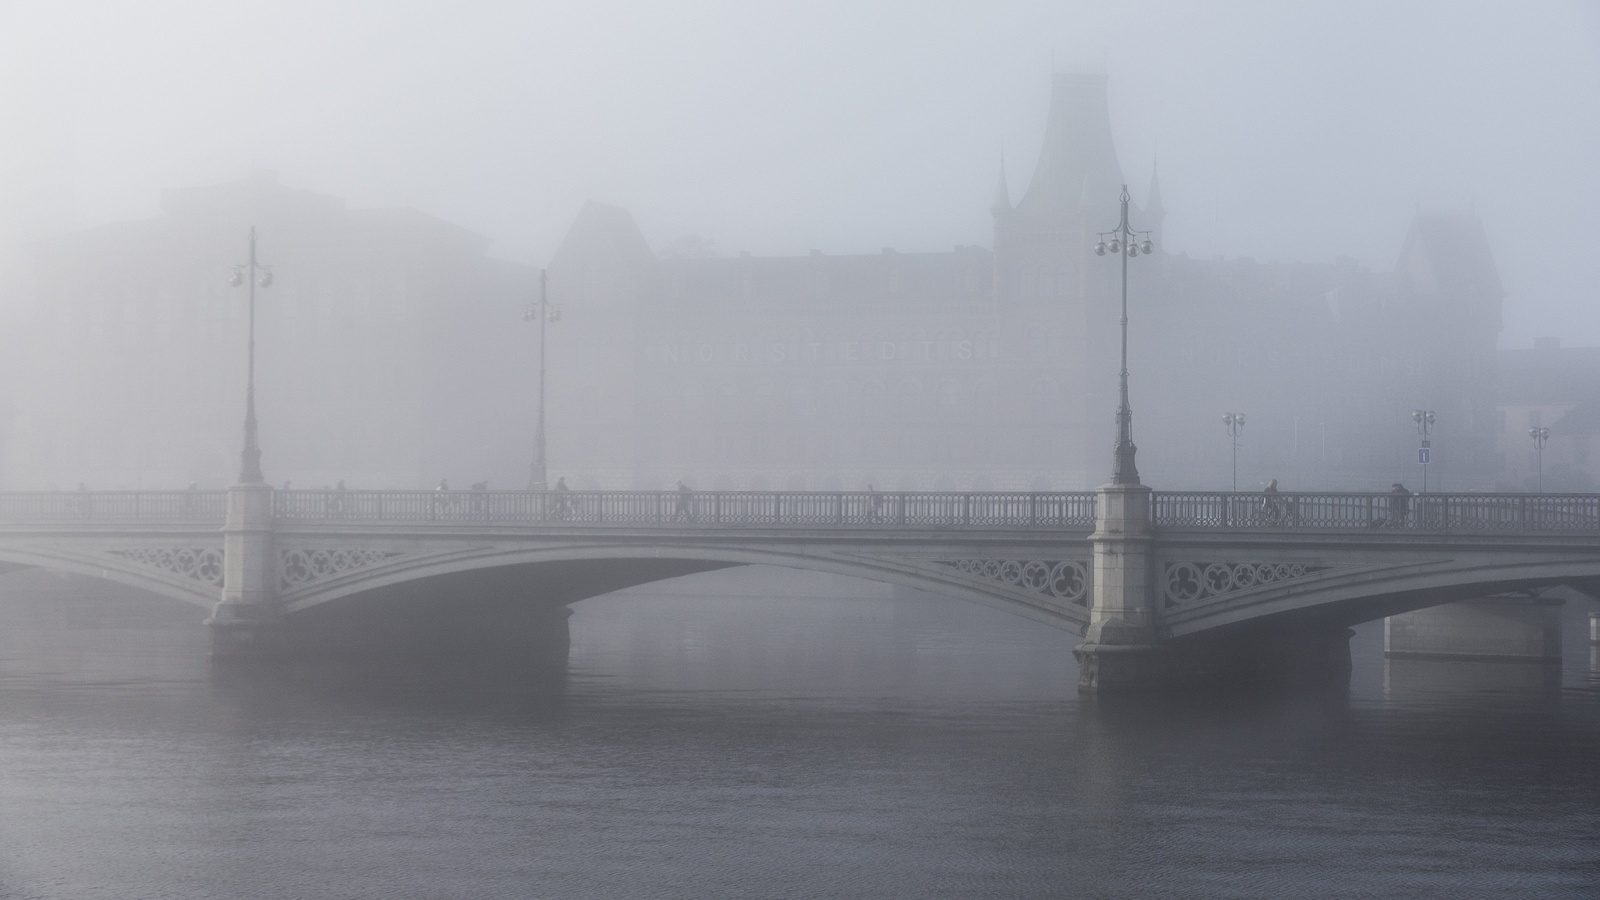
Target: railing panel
{"x": 1433, "y": 512}
{"x": 801, "y": 509}
{"x": 1437, "y": 512}
{"x": 46, "y": 507}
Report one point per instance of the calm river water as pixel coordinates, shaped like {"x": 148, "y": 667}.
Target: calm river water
{"x": 816, "y": 741}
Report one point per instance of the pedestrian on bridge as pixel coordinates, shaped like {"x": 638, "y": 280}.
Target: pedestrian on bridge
{"x": 441, "y": 503}
{"x": 1271, "y": 505}
{"x": 1399, "y": 505}
{"x": 563, "y": 503}
{"x": 685, "y": 507}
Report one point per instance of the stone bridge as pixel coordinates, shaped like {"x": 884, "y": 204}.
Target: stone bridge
{"x": 1160, "y": 583}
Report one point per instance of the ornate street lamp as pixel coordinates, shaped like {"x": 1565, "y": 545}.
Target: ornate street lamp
{"x": 247, "y": 273}
{"x": 543, "y": 313}
{"x": 1540, "y": 435}
{"x": 1235, "y": 423}
{"x": 1121, "y": 241}
{"x": 1424, "y": 419}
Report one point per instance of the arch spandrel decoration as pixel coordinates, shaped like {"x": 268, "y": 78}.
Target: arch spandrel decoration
{"x": 1065, "y": 580}
{"x": 302, "y": 566}
{"x": 203, "y": 564}
{"x": 1187, "y": 582}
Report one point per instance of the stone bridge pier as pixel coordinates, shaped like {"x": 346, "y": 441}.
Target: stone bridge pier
{"x": 247, "y": 620}
{"x": 1128, "y": 649}
{"x": 494, "y": 611}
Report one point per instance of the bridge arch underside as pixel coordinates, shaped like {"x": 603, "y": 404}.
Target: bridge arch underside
{"x": 509, "y": 598}
{"x": 1344, "y": 598}
{"x": 184, "y": 574}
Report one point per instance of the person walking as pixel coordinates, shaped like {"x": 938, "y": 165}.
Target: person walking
{"x": 1399, "y": 505}
{"x": 1271, "y": 506}
{"x": 563, "y": 502}
{"x": 685, "y": 506}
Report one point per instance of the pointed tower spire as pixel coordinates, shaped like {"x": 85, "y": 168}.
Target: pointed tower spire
{"x": 1079, "y": 160}
{"x": 1154, "y": 213}
{"x": 1002, "y": 192}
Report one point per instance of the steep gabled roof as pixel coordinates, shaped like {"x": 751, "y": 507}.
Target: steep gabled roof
{"x": 1447, "y": 255}
{"x": 1078, "y": 163}
{"x": 601, "y": 229}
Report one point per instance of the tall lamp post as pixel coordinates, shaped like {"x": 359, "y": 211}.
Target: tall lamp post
{"x": 543, "y": 313}
{"x": 1235, "y": 423}
{"x": 1424, "y": 419}
{"x": 1121, "y": 241}
{"x": 246, "y": 273}
{"x": 1540, "y": 435}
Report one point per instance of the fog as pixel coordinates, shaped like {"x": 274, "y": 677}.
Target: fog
{"x": 1296, "y": 134}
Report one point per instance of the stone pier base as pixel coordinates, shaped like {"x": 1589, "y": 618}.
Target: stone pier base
{"x": 239, "y": 631}
{"x": 1265, "y": 660}
{"x": 1121, "y": 668}
{"x": 469, "y": 627}
{"x": 415, "y": 625}
{"x": 1517, "y": 629}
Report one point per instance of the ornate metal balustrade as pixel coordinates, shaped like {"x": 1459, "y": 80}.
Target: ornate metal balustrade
{"x": 712, "y": 508}
{"x": 114, "y": 507}
{"x": 1459, "y": 513}
{"x": 1356, "y": 511}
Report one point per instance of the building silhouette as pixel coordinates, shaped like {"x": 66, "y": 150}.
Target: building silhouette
{"x": 380, "y": 345}
{"x": 391, "y": 353}
{"x": 996, "y": 369}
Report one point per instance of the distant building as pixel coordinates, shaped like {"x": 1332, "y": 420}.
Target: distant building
{"x": 1554, "y": 387}
{"x": 996, "y": 369}
{"x": 390, "y": 349}
{"x": 391, "y": 352}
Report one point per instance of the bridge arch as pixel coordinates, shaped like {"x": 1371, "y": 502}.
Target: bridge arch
{"x": 567, "y": 573}
{"x": 191, "y": 577}
{"x": 1347, "y": 596}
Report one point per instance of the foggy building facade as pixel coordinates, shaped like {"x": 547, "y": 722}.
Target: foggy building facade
{"x": 387, "y": 348}
{"x": 996, "y": 369}
{"x": 1557, "y": 388}
{"x": 391, "y": 352}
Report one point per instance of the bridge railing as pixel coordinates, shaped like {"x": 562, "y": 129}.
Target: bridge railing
{"x": 1387, "y": 510}
{"x": 191, "y": 507}
{"x": 710, "y": 508}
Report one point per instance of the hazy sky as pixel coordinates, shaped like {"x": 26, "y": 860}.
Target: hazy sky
{"x": 1285, "y": 131}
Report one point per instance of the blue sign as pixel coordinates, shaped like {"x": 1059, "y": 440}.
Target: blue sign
{"x": 1423, "y": 455}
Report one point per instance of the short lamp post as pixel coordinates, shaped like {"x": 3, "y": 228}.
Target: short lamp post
{"x": 1235, "y": 423}
{"x": 543, "y": 313}
{"x": 1539, "y": 435}
{"x": 253, "y": 274}
{"x": 1424, "y": 419}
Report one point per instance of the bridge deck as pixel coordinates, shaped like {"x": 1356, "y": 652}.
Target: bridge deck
{"x": 1187, "y": 510}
